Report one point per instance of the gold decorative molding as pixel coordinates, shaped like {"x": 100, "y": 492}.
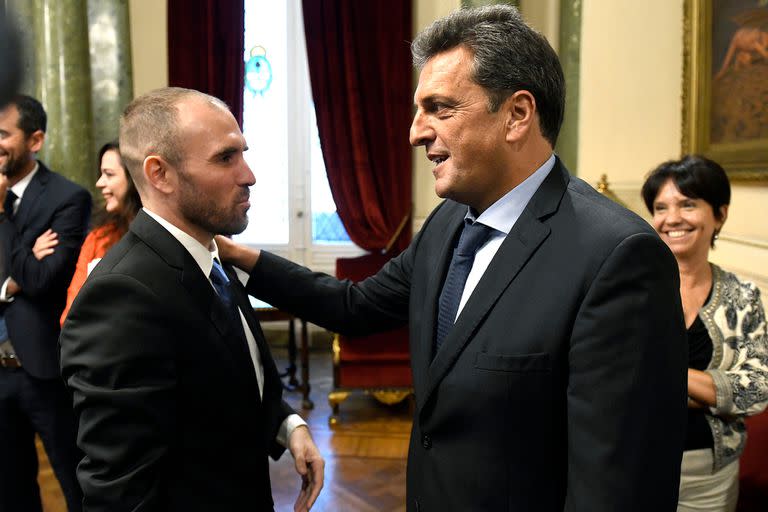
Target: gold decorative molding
{"x": 604, "y": 188}
{"x": 750, "y": 242}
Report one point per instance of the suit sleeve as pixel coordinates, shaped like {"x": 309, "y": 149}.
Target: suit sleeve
{"x": 117, "y": 360}
{"x": 742, "y": 388}
{"x": 375, "y": 304}
{"x": 81, "y": 272}
{"x": 38, "y": 277}
{"x": 627, "y": 384}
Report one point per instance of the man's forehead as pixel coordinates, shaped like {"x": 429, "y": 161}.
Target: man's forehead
{"x": 198, "y": 115}
{"x": 207, "y": 127}
{"x": 191, "y": 108}
{"x": 9, "y": 112}
{"x": 445, "y": 71}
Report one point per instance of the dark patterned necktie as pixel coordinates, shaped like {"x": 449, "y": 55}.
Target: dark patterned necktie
{"x": 222, "y": 285}
{"x": 473, "y": 236}
{"x": 10, "y": 198}
{"x": 223, "y": 288}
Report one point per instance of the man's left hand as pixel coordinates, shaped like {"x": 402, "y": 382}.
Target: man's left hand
{"x": 13, "y": 288}
{"x": 309, "y": 464}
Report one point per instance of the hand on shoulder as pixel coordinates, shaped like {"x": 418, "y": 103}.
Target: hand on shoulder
{"x": 239, "y": 255}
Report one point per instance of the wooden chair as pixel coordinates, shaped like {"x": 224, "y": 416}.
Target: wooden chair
{"x": 378, "y": 364}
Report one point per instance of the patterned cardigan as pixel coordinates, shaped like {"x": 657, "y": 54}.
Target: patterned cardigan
{"x": 735, "y": 320}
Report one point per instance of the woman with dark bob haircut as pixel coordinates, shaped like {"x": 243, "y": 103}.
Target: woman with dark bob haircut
{"x": 725, "y": 320}
{"x": 110, "y": 223}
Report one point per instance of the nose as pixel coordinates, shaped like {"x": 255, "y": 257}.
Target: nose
{"x": 247, "y": 178}
{"x": 421, "y": 132}
{"x": 101, "y": 182}
{"x": 673, "y": 215}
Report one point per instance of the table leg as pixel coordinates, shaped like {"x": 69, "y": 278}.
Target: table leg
{"x": 306, "y": 403}
{"x": 291, "y": 370}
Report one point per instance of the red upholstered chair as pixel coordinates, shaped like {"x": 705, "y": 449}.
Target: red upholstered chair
{"x": 753, "y": 467}
{"x": 378, "y": 364}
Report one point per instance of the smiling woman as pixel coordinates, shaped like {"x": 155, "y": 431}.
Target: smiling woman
{"x": 121, "y": 203}
{"x": 725, "y": 318}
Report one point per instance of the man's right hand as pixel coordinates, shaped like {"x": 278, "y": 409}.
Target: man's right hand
{"x": 4, "y": 186}
{"x": 241, "y": 256}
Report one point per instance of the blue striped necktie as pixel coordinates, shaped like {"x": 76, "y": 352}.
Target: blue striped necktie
{"x": 473, "y": 236}
{"x": 223, "y": 288}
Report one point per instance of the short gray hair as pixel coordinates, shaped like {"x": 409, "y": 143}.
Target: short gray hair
{"x": 149, "y": 125}
{"x": 508, "y": 56}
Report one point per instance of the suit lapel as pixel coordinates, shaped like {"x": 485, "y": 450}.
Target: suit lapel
{"x": 434, "y": 286}
{"x": 31, "y": 195}
{"x": 526, "y": 236}
{"x": 199, "y": 288}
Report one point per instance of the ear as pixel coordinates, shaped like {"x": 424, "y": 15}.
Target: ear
{"x": 723, "y": 216}
{"x": 159, "y": 174}
{"x": 521, "y": 114}
{"x": 35, "y": 141}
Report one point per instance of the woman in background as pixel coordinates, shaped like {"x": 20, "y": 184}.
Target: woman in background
{"x": 121, "y": 204}
{"x": 725, "y": 320}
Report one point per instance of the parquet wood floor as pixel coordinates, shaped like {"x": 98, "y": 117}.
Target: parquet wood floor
{"x": 365, "y": 452}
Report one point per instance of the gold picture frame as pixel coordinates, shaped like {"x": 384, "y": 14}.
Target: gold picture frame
{"x": 716, "y": 71}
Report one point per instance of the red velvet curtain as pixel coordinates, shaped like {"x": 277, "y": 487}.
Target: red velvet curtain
{"x": 205, "y": 49}
{"x": 360, "y": 68}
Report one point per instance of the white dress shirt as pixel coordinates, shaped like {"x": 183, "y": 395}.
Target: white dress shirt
{"x": 204, "y": 256}
{"x": 501, "y": 216}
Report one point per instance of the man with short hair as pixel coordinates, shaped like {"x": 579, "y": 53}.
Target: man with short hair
{"x": 547, "y": 343}
{"x": 33, "y": 398}
{"x": 177, "y": 395}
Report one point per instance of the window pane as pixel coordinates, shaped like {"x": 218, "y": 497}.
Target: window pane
{"x": 326, "y": 224}
{"x": 265, "y": 107}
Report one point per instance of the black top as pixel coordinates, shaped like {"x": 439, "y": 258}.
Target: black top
{"x": 698, "y": 435}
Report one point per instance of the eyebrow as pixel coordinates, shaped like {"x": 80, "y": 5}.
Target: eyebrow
{"x": 227, "y": 151}
{"x": 436, "y": 98}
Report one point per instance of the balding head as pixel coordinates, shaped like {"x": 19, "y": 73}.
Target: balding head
{"x": 150, "y": 126}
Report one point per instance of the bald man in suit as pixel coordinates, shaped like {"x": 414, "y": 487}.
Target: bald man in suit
{"x": 177, "y": 395}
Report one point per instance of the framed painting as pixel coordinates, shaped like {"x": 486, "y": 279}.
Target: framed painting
{"x": 725, "y": 85}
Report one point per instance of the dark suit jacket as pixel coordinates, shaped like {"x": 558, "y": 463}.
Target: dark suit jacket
{"x": 164, "y": 388}
{"x": 50, "y": 201}
{"x": 562, "y": 385}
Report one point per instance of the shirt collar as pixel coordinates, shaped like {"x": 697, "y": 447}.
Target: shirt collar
{"x": 503, "y": 214}
{"x": 23, "y": 183}
{"x": 202, "y": 255}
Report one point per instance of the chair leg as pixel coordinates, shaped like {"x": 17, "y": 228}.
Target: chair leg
{"x": 334, "y": 399}
{"x": 390, "y": 396}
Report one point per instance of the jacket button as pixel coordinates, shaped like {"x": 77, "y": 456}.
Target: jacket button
{"x": 426, "y": 442}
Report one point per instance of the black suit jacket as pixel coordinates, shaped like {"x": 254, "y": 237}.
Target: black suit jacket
{"x": 562, "y": 385}
{"x": 49, "y": 201}
{"x": 164, "y": 388}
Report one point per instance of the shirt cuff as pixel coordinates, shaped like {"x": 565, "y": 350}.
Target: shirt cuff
{"x": 286, "y": 429}
{"x": 4, "y": 290}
